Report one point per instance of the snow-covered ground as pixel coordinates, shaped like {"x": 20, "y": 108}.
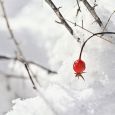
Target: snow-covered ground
{"x": 51, "y": 45}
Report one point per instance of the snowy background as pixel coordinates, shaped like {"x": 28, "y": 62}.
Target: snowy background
{"x": 51, "y": 45}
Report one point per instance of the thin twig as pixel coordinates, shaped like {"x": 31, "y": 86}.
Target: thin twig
{"x": 79, "y": 9}
{"x": 100, "y": 33}
{"x": 2, "y": 57}
{"x": 108, "y": 21}
{"x": 48, "y": 70}
{"x": 88, "y": 31}
{"x": 34, "y": 75}
{"x": 92, "y": 11}
{"x": 9, "y": 29}
{"x": 34, "y": 86}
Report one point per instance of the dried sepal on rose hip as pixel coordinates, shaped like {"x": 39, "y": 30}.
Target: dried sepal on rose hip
{"x": 79, "y": 65}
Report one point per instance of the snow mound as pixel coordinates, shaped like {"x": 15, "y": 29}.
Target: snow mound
{"x": 33, "y": 106}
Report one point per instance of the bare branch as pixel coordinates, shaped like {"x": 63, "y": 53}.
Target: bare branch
{"x": 48, "y": 70}
{"x": 34, "y": 75}
{"x": 92, "y": 11}
{"x": 27, "y": 67}
{"x": 27, "y": 62}
{"x": 60, "y": 16}
{"x": 20, "y": 56}
{"x": 108, "y": 21}
{"x": 10, "y": 30}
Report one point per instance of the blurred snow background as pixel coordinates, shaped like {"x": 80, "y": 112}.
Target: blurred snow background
{"x": 49, "y": 44}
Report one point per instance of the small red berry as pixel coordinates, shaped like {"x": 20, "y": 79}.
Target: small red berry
{"x": 79, "y": 66}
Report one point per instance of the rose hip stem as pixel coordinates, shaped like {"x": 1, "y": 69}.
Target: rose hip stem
{"x": 101, "y": 33}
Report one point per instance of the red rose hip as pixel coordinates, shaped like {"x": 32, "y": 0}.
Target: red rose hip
{"x": 79, "y": 66}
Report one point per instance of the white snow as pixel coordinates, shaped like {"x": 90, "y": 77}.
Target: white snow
{"x": 51, "y": 45}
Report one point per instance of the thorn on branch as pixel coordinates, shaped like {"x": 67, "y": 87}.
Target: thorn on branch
{"x": 59, "y": 7}
{"x": 58, "y": 22}
{"x": 51, "y": 72}
{"x": 95, "y": 5}
{"x": 78, "y": 10}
